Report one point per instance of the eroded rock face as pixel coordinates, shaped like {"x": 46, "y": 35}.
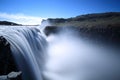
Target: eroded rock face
{"x": 7, "y": 62}
{"x": 109, "y": 35}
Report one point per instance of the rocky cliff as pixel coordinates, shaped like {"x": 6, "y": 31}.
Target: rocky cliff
{"x": 7, "y": 62}
{"x": 99, "y": 27}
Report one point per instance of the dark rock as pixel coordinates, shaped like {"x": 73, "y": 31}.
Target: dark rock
{"x": 9, "y": 23}
{"x": 7, "y": 62}
{"x": 110, "y": 35}
{"x": 51, "y": 30}
{"x": 98, "y": 27}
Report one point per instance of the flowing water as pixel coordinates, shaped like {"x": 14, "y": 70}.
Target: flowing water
{"x": 28, "y": 47}
{"x": 63, "y": 56}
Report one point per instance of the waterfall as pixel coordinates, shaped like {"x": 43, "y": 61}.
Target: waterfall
{"x": 28, "y": 47}
{"x": 62, "y": 56}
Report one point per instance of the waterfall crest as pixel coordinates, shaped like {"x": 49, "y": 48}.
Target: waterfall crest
{"x": 28, "y": 47}
{"x": 64, "y": 56}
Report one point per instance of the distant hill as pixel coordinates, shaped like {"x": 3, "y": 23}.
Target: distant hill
{"x": 88, "y": 20}
{"x": 9, "y": 23}
{"x": 99, "y": 27}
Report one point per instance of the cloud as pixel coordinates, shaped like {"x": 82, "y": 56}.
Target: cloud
{"x": 21, "y": 18}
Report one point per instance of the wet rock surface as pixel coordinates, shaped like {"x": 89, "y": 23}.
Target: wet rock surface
{"x": 99, "y": 27}
{"x": 7, "y": 62}
{"x": 107, "y": 35}
{"x": 11, "y": 76}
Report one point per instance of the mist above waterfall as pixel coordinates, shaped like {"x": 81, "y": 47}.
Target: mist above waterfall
{"x": 28, "y": 48}
{"x": 60, "y": 56}
{"x": 72, "y": 58}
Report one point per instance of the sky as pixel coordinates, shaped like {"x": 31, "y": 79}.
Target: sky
{"x": 33, "y": 11}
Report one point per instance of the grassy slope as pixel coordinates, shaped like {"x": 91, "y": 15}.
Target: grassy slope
{"x": 9, "y": 23}
{"x": 99, "y": 27}
{"x": 89, "y": 20}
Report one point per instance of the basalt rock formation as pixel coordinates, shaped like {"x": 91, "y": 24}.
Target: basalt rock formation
{"x": 7, "y": 62}
{"x": 103, "y": 27}
{"x": 108, "y": 35}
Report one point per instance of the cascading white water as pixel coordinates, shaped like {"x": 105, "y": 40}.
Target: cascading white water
{"x": 67, "y": 58}
{"x": 72, "y": 58}
{"x": 28, "y": 47}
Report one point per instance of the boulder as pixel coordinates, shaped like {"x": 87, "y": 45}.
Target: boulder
{"x": 11, "y": 76}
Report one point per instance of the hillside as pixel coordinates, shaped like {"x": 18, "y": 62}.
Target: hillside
{"x": 88, "y": 20}
{"x": 99, "y": 27}
{"x": 9, "y": 23}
